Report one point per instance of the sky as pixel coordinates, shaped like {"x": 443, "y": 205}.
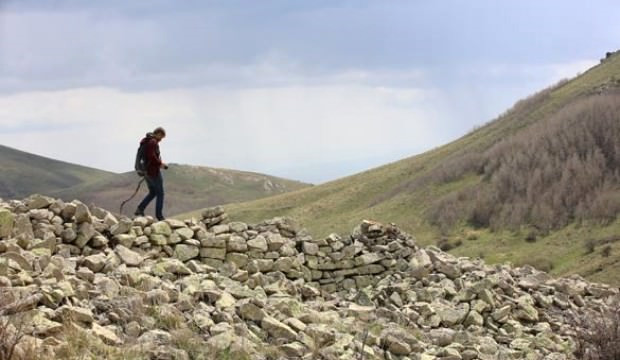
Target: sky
{"x": 307, "y": 90}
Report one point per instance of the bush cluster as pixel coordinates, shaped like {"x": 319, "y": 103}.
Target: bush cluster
{"x": 562, "y": 169}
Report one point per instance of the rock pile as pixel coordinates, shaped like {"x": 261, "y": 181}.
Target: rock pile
{"x": 212, "y": 288}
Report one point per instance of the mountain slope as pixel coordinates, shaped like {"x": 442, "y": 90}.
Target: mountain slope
{"x": 24, "y": 173}
{"x": 411, "y": 192}
{"x": 187, "y": 187}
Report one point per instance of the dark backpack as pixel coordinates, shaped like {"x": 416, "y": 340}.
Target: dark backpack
{"x": 140, "y": 165}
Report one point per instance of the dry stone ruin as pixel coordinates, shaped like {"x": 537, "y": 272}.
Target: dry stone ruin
{"x": 213, "y": 288}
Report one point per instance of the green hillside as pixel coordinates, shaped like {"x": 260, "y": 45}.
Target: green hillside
{"x": 461, "y": 195}
{"x": 187, "y": 187}
{"x": 24, "y": 173}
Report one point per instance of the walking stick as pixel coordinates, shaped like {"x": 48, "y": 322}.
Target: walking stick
{"x": 132, "y": 196}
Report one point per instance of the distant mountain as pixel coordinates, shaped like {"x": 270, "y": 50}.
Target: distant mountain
{"x": 539, "y": 185}
{"x": 186, "y": 187}
{"x": 22, "y": 174}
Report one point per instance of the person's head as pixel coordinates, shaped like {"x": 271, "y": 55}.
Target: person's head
{"x": 159, "y": 133}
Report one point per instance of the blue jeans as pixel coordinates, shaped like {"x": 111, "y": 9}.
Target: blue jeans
{"x": 156, "y": 190}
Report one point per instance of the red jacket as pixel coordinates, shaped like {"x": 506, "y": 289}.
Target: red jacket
{"x": 152, "y": 156}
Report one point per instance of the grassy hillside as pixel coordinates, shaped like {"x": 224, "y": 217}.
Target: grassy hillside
{"x": 411, "y": 192}
{"x": 24, "y": 173}
{"x": 187, "y": 187}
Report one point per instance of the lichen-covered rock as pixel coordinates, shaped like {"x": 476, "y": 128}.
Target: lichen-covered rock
{"x": 95, "y": 263}
{"x": 7, "y": 219}
{"x": 248, "y": 290}
{"x": 277, "y": 329}
{"x": 82, "y": 214}
{"x": 186, "y": 252}
{"x": 161, "y": 228}
{"x": 128, "y": 256}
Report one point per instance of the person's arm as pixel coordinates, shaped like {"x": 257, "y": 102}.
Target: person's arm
{"x": 151, "y": 156}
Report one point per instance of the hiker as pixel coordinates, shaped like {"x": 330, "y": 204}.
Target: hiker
{"x": 152, "y": 175}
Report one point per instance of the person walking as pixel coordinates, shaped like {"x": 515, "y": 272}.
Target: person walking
{"x": 153, "y": 176}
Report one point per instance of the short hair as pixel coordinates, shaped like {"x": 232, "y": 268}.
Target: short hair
{"x": 160, "y": 130}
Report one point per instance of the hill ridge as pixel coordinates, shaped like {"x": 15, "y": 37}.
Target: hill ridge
{"x": 410, "y": 191}
{"x": 187, "y": 187}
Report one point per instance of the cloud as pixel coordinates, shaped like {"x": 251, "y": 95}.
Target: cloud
{"x": 263, "y": 129}
{"x": 309, "y": 127}
{"x": 308, "y": 90}
{"x": 47, "y": 45}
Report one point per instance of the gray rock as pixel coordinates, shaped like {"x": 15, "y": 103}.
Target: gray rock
{"x": 6, "y": 223}
{"x": 185, "y": 233}
{"x": 95, "y": 263}
{"x": 186, "y": 252}
{"x": 82, "y": 214}
{"x": 38, "y": 202}
{"x": 161, "y": 228}
{"x": 85, "y": 232}
{"x": 220, "y": 229}
{"x": 128, "y": 256}
{"x": 250, "y": 311}
{"x": 259, "y": 243}
{"x": 107, "y": 335}
{"x": 237, "y": 244}
{"x": 213, "y": 253}
{"x": 277, "y": 329}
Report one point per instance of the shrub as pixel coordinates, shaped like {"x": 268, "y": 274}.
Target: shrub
{"x": 606, "y": 252}
{"x": 561, "y": 169}
{"x": 472, "y": 235}
{"x": 10, "y": 337}
{"x": 598, "y": 334}
{"x": 531, "y": 237}
{"x": 445, "y": 245}
{"x": 590, "y": 246}
{"x": 14, "y": 344}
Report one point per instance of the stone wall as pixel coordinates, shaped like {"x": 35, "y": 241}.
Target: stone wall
{"x": 49, "y": 227}
{"x": 271, "y": 291}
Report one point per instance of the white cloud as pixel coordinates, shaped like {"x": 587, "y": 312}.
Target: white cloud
{"x": 312, "y": 128}
{"x": 263, "y": 129}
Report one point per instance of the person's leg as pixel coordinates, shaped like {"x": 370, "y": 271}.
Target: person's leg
{"x": 159, "y": 204}
{"x": 149, "y": 197}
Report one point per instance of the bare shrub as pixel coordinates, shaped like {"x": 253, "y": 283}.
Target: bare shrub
{"x": 531, "y": 237}
{"x": 80, "y": 344}
{"x": 598, "y": 334}
{"x": 606, "y": 252}
{"x": 10, "y": 337}
{"x": 445, "y": 245}
{"x": 562, "y": 169}
{"x": 590, "y": 246}
{"x": 14, "y": 344}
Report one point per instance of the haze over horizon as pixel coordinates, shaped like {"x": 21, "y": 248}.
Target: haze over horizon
{"x": 348, "y": 86}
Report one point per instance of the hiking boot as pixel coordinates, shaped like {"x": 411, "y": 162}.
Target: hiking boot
{"x": 161, "y": 218}
{"x": 139, "y": 212}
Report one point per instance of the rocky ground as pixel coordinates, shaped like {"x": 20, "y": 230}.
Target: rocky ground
{"x": 78, "y": 282}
